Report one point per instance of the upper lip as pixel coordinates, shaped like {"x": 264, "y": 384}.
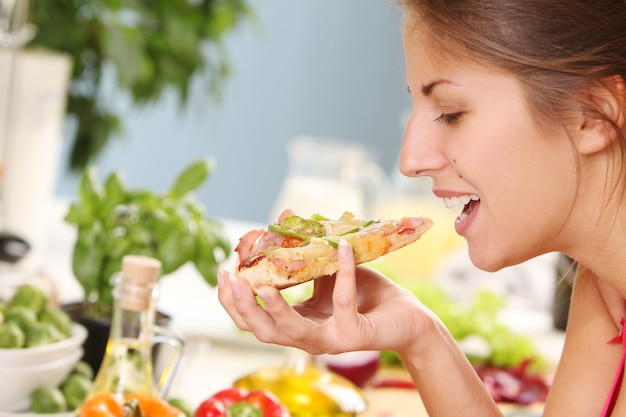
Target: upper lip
{"x": 454, "y": 198}
{"x": 449, "y": 193}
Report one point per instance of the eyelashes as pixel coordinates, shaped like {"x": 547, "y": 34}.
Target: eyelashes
{"x": 449, "y": 118}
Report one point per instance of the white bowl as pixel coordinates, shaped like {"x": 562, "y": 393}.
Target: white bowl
{"x": 18, "y": 382}
{"x": 44, "y": 353}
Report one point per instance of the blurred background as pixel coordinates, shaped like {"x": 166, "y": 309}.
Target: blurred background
{"x": 309, "y": 67}
{"x": 299, "y": 104}
{"x": 153, "y": 86}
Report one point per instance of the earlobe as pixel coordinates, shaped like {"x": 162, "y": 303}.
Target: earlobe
{"x": 596, "y": 133}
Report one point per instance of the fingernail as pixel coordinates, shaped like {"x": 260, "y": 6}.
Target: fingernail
{"x": 264, "y": 296}
{"x": 235, "y": 287}
{"x": 344, "y": 248}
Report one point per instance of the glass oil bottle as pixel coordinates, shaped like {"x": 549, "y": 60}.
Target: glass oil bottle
{"x": 127, "y": 365}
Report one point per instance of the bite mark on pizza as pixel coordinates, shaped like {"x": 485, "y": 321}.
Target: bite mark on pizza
{"x": 298, "y": 250}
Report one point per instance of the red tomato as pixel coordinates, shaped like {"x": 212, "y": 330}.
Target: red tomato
{"x": 235, "y": 402}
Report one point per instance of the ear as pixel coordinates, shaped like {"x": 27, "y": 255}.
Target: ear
{"x": 595, "y": 134}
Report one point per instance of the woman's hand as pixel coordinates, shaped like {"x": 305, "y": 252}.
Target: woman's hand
{"x": 357, "y": 309}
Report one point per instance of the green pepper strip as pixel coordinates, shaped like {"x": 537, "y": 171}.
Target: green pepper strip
{"x": 296, "y": 226}
{"x": 318, "y": 217}
{"x": 332, "y": 243}
{"x": 358, "y": 229}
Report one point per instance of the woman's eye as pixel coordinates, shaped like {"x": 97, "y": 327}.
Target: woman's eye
{"x": 449, "y": 118}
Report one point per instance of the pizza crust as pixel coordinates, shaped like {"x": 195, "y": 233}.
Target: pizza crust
{"x": 286, "y": 267}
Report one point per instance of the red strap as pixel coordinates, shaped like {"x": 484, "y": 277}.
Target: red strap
{"x": 607, "y": 410}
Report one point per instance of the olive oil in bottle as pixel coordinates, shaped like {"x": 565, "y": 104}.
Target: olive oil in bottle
{"x": 127, "y": 365}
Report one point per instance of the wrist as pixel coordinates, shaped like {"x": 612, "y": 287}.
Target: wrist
{"x": 431, "y": 337}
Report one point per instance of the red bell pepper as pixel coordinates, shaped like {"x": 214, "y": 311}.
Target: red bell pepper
{"x": 240, "y": 402}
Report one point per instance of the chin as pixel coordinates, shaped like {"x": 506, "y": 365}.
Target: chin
{"x": 491, "y": 260}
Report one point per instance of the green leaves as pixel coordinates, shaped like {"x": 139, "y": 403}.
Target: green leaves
{"x": 477, "y": 320}
{"x": 152, "y": 46}
{"x": 191, "y": 178}
{"x": 212, "y": 246}
{"x": 114, "y": 221}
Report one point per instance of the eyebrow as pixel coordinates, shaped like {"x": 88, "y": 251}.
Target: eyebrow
{"x": 428, "y": 88}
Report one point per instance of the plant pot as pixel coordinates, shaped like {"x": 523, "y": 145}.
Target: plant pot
{"x": 98, "y": 331}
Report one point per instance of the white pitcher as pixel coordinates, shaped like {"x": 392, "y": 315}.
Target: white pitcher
{"x": 329, "y": 176}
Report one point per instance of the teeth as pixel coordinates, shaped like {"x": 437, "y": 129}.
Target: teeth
{"x": 460, "y": 200}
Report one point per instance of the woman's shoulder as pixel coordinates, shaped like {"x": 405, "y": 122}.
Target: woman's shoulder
{"x": 588, "y": 362}
{"x": 595, "y": 292}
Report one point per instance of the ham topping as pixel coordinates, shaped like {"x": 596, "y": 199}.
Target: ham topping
{"x": 253, "y": 245}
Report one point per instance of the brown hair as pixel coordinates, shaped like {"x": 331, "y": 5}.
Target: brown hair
{"x": 555, "y": 47}
{"x": 558, "y": 49}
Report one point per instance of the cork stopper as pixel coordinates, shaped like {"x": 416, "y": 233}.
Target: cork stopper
{"x": 139, "y": 274}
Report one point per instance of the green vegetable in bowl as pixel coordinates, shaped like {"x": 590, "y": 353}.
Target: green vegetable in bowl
{"x": 59, "y": 318}
{"x": 23, "y": 316}
{"x": 47, "y": 400}
{"x": 42, "y": 333}
{"x": 30, "y": 296}
{"x": 11, "y": 336}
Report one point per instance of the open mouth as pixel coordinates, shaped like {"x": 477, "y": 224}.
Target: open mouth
{"x": 468, "y": 201}
{"x": 467, "y": 210}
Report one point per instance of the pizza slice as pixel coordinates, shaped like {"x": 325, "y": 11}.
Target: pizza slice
{"x": 298, "y": 250}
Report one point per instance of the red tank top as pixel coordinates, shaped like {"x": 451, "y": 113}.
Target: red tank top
{"x": 607, "y": 410}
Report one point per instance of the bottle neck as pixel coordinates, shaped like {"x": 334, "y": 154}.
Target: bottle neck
{"x": 133, "y": 310}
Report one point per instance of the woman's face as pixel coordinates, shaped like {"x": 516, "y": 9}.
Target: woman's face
{"x": 472, "y": 132}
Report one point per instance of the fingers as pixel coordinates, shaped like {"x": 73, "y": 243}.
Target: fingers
{"x": 229, "y": 290}
{"x": 329, "y": 317}
{"x": 293, "y": 327}
{"x": 240, "y": 302}
{"x": 344, "y": 296}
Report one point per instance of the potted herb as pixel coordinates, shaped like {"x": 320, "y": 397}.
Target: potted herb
{"x": 148, "y": 46}
{"x": 113, "y": 221}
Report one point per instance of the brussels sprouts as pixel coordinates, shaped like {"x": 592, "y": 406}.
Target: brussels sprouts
{"x": 42, "y": 334}
{"x": 75, "y": 390}
{"x": 11, "y": 336}
{"x": 23, "y": 316}
{"x": 29, "y": 296}
{"x": 59, "y": 318}
{"x": 46, "y": 400}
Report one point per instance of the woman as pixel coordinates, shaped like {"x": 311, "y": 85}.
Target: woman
{"x": 520, "y": 104}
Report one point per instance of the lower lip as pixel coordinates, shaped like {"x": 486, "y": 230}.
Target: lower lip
{"x": 462, "y": 226}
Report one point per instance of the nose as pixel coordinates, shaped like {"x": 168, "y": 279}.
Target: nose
{"x": 420, "y": 155}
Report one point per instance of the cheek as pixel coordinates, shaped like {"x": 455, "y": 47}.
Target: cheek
{"x": 526, "y": 211}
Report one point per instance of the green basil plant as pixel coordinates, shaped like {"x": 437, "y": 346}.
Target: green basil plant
{"x": 113, "y": 221}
